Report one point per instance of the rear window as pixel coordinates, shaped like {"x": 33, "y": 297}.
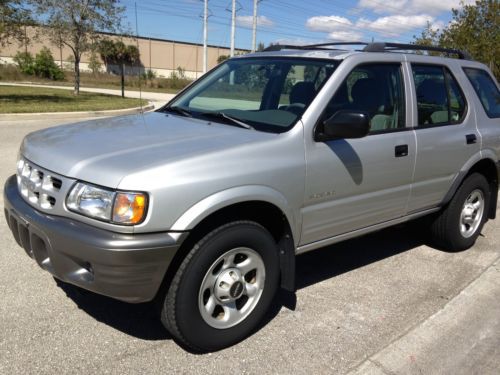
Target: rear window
{"x": 486, "y": 90}
{"x": 440, "y": 100}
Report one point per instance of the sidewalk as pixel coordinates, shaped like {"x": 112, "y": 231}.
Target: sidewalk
{"x": 462, "y": 338}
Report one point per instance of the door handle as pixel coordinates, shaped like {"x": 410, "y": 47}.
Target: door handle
{"x": 471, "y": 139}
{"x": 400, "y": 151}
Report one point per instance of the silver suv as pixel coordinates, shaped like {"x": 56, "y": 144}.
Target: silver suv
{"x": 205, "y": 203}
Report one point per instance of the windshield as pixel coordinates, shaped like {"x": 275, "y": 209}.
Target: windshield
{"x": 266, "y": 94}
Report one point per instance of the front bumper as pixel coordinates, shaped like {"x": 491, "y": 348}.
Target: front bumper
{"x": 128, "y": 267}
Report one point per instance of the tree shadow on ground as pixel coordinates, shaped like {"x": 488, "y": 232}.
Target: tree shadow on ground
{"x": 142, "y": 320}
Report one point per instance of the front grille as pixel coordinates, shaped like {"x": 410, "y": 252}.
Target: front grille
{"x": 38, "y": 186}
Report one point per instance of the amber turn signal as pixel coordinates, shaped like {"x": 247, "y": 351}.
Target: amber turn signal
{"x": 129, "y": 208}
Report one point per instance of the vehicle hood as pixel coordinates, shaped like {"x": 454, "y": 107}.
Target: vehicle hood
{"x": 104, "y": 151}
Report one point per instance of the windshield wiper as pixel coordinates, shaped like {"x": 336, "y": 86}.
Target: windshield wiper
{"x": 222, "y": 115}
{"x": 178, "y": 110}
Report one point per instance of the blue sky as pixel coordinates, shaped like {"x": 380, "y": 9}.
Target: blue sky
{"x": 290, "y": 21}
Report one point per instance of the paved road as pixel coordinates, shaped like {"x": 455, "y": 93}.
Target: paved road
{"x": 382, "y": 304}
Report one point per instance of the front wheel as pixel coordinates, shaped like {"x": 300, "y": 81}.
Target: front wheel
{"x": 459, "y": 224}
{"x": 223, "y": 288}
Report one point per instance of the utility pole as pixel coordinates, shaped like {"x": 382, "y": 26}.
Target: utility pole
{"x": 205, "y": 37}
{"x": 233, "y": 26}
{"x": 254, "y": 31}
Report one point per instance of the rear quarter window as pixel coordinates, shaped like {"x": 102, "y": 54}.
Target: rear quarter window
{"x": 440, "y": 101}
{"x": 486, "y": 89}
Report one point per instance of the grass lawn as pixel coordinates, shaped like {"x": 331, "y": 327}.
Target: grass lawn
{"x": 14, "y": 99}
{"x": 11, "y": 73}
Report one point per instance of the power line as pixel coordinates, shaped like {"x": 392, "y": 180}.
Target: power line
{"x": 289, "y": 27}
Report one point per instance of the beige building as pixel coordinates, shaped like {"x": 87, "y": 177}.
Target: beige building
{"x": 160, "y": 55}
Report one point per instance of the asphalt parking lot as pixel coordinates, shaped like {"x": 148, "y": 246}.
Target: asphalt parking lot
{"x": 385, "y": 303}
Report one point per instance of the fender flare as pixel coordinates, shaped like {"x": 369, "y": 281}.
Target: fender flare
{"x": 222, "y": 199}
{"x": 464, "y": 171}
{"x": 225, "y": 198}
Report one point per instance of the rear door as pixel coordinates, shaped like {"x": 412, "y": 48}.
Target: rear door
{"x": 487, "y": 102}
{"x": 446, "y": 132}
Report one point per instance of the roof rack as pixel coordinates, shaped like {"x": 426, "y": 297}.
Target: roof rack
{"x": 279, "y": 47}
{"x": 373, "y": 47}
{"x": 383, "y": 47}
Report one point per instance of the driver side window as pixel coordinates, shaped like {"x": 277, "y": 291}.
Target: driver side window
{"x": 376, "y": 89}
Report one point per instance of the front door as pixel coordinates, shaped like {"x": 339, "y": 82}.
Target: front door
{"x": 355, "y": 183}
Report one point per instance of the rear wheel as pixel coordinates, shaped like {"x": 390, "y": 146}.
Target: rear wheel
{"x": 459, "y": 224}
{"x": 223, "y": 288}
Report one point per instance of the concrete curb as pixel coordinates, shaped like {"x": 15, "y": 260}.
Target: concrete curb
{"x": 83, "y": 114}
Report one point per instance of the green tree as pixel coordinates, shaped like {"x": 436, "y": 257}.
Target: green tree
{"x": 428, "y": 37}
{"x": 13, "y": 16}
{"x": 117, "y": 53}
{"x": 75, "y": 23}
{"x": 476, "y": 28}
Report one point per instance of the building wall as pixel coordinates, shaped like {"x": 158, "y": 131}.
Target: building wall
{"x": 161, "y": 56}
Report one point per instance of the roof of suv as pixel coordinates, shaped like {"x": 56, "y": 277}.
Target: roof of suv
{"x": 330, "y": 50}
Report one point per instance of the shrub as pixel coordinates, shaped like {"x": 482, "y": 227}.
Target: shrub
{"x": 25, "y": 62}
{"x": 94, "y": 63}
{"x": 45, "y": 66}
{"x": 222, "y": 58}
{"x": 150, "y": 74}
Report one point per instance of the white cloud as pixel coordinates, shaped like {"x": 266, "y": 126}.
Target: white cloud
{"x": 338, "y": 28}
{"x": 247, "y": 21}
{"x": 345, "y": 36}
{"x": 328, "y": 23}
{"x": 295, "y": 42}
{"x": 395, "y": 25}
{"x": 407, "y": 7}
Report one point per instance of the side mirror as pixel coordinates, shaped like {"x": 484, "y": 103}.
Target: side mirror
{"x": 345, "y": 124}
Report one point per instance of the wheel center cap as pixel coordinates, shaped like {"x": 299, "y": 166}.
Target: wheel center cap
{"x": 469, "y": 211}
{"x": 236, "y": 290}
{"x": 229, "y": 285}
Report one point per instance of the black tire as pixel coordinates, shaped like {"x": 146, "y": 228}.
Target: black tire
{"x": 181, "y": 311}
{"x": 445, "y": 229}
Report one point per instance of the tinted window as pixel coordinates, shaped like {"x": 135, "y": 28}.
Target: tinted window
{"x": 457, "y": 100}
{"x": 376, "y": 89}
{"x": 486, "y": 90}
{"x": 269, "y": 94}
{"x": 439, "y": 97}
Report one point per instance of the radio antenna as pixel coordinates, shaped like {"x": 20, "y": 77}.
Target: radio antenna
{"x": 138, "y": 63}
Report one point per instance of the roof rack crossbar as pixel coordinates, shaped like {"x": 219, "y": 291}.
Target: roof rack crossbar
{"x": 279, "y": 47}
{"x": 383, "y": 47}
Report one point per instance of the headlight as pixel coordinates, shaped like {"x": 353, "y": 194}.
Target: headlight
{"x": 91, "y": 201}
{"x": 105, "y": 204}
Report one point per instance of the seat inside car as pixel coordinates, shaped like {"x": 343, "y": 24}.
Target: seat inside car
{"x": 368, "y": 95}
